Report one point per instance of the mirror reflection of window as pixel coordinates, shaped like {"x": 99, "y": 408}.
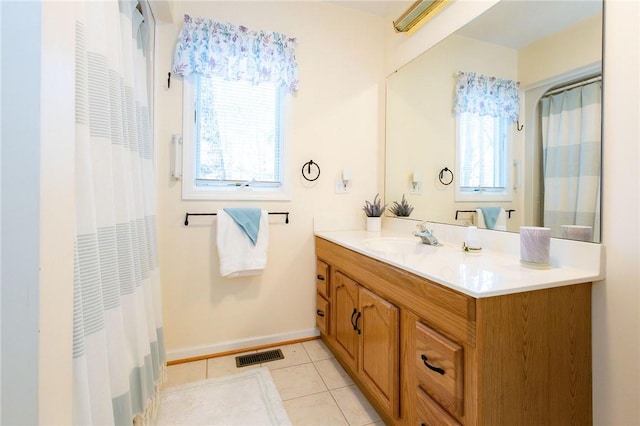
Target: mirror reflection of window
{"x": 485, "y": 108}
{"x": 482, "y": 147}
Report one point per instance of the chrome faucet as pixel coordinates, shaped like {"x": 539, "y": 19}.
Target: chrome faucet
{"x": 426, "y": 235}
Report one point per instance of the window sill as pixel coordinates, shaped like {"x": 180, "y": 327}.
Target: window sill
{"x": 235, "y": 194}
{"x": 483, "y": 197}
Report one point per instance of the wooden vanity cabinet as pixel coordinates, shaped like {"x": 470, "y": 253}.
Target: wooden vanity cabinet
{"x": 427, "y": 355}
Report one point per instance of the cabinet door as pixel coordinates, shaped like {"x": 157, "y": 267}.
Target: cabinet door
{"x": 345, "y": 306}
{"x": 379, "y": 350}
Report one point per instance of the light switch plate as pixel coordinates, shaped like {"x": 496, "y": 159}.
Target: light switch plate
{"x": 341, "y": 188}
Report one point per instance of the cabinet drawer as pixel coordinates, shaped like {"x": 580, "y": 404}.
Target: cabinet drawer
{"x": 322, "y": 278}
{"x": 430, "y": 413}
{"x": 439, "y": 367}
{"x": 322, "y": 313}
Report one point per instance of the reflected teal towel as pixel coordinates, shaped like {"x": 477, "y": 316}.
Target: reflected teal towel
{"x": 248, "y": 220}
{"x": 490, "y": 216}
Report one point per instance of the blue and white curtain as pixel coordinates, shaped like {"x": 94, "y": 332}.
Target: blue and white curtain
{"x": 118, "y": 351}
{"x": 485, "y": 95}
{"x": 571, "y": 142}
{"x": 209, "y": 48}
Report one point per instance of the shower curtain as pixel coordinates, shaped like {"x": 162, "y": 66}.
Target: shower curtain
{"x": 118, "y": 351}
{"x": 571, "y": 142}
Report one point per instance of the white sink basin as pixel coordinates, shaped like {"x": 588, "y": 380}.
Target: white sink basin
{"x": 397, "y": 246}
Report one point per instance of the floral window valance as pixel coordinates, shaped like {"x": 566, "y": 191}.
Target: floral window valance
{"x": 210, "y": 48}
{"x": 483, "y": 95}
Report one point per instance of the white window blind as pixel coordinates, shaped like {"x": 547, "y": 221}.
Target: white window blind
{"x": 238, "y": 133}
{"x": 482, "y": 152}
{"x": 483, "y": 157}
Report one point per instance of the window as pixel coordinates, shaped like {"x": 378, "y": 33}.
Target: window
{"x": 483, "y": 157}
{"x": 234, "y": 140}
{"x": 234, "y": 143}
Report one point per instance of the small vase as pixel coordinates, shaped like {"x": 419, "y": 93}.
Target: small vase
{"x": 374, "y": 224}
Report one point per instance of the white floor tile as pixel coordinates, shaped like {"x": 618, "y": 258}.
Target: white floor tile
{"x": 314, "y": 410}
{"x": 317, "y": 350}
{"x": 297, "y": 381}
{"x": 293, "y": 355}
{"x": 179, "y": 374}
{"x": 333, "y": 374}
{"x": 355, "y": 406}
{"x": 226, "y": 365}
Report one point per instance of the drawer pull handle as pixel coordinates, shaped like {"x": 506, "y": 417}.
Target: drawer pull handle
{"x": 320, "y": 313}
{"x": 320, "y": 277}
{"x": 431, "y": 367}
{"x": 356, "y": 325}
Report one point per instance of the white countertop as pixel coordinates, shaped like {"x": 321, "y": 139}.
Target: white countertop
{"x": 490, "y": 272}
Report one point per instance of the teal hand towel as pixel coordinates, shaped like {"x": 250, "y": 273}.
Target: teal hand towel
{"x": 490, "y": 215}
{"x": 248, "y": 220}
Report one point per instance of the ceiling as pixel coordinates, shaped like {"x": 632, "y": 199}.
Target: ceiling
{"x": 509, "y": 23}
{"x": 384, "y": 8}
{"x": 517, "y": 23}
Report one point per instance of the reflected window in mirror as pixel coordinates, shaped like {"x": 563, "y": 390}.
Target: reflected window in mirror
{"x": 485, "y": 109}
{"x": 483, "y": 155}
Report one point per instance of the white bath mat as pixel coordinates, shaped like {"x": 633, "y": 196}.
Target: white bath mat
{"x": 249, "y": 398}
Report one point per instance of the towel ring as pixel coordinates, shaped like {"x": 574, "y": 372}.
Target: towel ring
{"x": 307, "y": 172}
{"x": 441, "y": 176}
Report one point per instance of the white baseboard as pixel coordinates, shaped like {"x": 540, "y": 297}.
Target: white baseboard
{"x": 234, "y": 345}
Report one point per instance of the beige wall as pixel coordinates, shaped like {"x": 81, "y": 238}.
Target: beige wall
{"x": 336, "y": 120}
{"x": 578, "y": 45}
{"x": 57, "y": 218}
{"x": 616, "y": 301}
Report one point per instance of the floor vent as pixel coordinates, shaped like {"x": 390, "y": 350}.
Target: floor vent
{"x": 258, "y": 358}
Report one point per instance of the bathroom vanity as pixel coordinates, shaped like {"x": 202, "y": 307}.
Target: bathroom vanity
{"x": 436, "y": 336}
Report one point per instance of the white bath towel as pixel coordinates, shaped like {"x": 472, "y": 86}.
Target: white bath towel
{"x": 501, "y": 221}
{"x": 238, "y": 256}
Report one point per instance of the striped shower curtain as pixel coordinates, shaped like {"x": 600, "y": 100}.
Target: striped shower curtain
{"x": 118, "y": 352}
{"x": 571, "y": 143}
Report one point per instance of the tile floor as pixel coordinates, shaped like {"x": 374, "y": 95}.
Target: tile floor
{"x": 314, "y": 387}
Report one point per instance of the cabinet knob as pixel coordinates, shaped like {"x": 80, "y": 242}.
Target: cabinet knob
{"x": 431, "y": 367}
{"x": 320, "y": 277}
{"x": 320, "y": 313}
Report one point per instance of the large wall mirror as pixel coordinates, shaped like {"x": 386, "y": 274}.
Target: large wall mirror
{"x": 553, "y": 49}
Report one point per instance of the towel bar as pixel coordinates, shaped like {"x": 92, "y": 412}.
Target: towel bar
{"x": 186, "y": 217}
{"x": 473, "y": 211}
